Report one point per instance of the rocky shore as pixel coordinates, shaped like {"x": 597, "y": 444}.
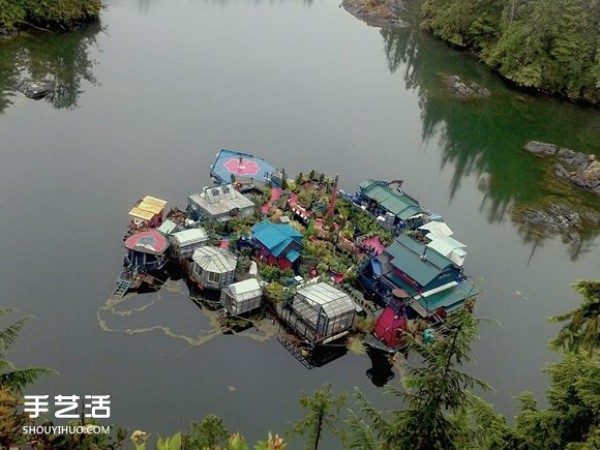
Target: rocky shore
{"x": 579, "y": 169}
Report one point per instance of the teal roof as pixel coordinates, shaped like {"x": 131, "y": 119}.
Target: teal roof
{"x": 406, "y": 257}
{"x": 392, "y": 200}
{"x": 276, "y": 237}
{"x": 450, "y": 298}
{"x": 292, "y": 256}
{"x": 433, "y": 256}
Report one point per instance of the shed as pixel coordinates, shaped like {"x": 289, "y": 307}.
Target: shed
{"x": 320, "y": 313}
{"x": 185, "y": 242}
{"x": 279, "y": 244}
{"x": 244, "y": 296}
{"x": 147, "y": 212}
{"x": 213, "y": 267}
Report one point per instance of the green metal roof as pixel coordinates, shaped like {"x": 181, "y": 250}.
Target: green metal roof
{"x": 433, "y": 256}
{"x": 406, "y": 256}
{"x": 450, "y": 298}
{"x": 390, "y": 199}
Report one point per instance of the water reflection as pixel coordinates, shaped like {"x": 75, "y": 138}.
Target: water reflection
{"x": 484, "y": 138}
{"x": 64, "y": 58}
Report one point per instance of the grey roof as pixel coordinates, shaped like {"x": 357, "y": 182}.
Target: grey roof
{"x": 221, "y": 199}
{"x": 190, "y": 236}
{"x": 213, "y": 259}
{"x": 333, "y": 301}
{"x": 245, "y": 290}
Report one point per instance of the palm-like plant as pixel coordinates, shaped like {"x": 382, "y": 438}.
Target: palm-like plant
{"x": 10, "y": 376}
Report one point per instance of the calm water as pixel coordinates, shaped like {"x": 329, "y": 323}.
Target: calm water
{"x": 143, "y": 106}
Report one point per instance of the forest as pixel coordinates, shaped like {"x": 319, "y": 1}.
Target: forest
{"x": 551, "y": 46}
{"x": 46, "y": 14}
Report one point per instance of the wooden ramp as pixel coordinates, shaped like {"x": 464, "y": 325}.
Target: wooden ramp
{"x": 122, "y": 288}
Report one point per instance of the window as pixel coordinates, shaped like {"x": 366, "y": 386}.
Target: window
{"x": 214, "y": 277}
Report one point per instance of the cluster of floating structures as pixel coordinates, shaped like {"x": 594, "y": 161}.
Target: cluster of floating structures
{"x": 412, "y": 284}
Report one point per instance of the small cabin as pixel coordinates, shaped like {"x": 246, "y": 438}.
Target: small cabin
{"x": 146, "y": 251}
{"x": 279, "y": 244}
{"x": 319, "y": 313}
{"x": 147, "y": 213}
{"x": 185, "y": 243}
{"x": 242, "y": 297}
{"x": 212, "y": 267}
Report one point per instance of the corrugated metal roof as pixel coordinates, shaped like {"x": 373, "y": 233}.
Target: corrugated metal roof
{"x": 421, "y": 270}
{"x": 398, "y": 203}
{"x": 190, "y": 237}
{"x": 275, "y": 237}
{"x": 214, "y": 259}
{"x": 432, "y": 255}
{"x": 449, "y": 299}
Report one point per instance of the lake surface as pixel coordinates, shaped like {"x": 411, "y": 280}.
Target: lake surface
{"x": 143, "y": 106}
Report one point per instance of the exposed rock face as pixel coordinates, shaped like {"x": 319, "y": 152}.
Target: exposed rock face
{"x": 36, "y": 89}
{"x": 541, "y": 148}
{"x": 463, "y": 91}
{"x": 579, "y": 169}
{"x": 552, "y": 219}
{"x": 376, "y": 13}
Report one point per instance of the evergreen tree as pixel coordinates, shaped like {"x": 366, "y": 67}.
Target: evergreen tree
{"x": 572, "y": 420}
{"x": 323, "y": 410}
{"x": 11, "y": 377}
{"x": 582, "y": 330}
{"x": 436, "y": 394}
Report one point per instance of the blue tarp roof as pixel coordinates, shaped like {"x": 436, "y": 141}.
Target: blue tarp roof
{"x": 227, "y": 163}
{"x": 276, "y": 237}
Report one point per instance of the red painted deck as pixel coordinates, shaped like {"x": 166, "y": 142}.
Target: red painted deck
{"x": 275, "y": 194}
{"x": 375, "y": 243}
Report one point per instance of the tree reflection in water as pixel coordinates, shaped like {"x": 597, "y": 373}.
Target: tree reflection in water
{"x": 64, "y": 58}
{"x": 484, "y": 138}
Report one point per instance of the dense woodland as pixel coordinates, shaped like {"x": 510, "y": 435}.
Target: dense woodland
{"x": 438, "y": 407}
{"x": 549, "y": 45}
{"x": 59, "y": 14}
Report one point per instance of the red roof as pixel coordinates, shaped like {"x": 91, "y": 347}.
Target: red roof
{"x": 147, "y": 242}
{"x": 390, "y": 327}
